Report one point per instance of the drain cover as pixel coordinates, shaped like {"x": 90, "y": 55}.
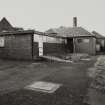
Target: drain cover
{"x": 44, "y": 86}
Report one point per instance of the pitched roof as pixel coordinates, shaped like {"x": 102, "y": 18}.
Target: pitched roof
{"x": 98, "y": 35}
{"x": 70, "y": 31}
{"x": 6, "y": 26}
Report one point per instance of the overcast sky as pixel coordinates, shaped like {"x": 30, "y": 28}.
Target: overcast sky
{"x": 44, "y": 14}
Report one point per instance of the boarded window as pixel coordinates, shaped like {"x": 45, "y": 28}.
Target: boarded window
{"x": 1, "y": 41}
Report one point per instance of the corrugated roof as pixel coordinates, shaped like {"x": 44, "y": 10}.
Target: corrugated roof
{"x": 98, "y": 35}
{"x": 70, "y": 31}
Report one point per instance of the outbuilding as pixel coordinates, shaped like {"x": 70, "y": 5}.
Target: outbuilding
{"x": 78, "y": 39}
{"x": 16, "y": 43}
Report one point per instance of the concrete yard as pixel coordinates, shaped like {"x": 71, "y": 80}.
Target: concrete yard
{"x": 16, "y": 75}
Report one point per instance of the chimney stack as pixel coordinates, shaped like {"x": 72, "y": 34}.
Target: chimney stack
{"x": 75, "y": 22}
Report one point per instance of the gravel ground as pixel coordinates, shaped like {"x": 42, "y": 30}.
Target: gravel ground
{"x": 16, "y": 75}
{"x": 96, "y": 91}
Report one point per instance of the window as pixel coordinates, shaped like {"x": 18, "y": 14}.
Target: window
{"x": 1, "y": 41}
{"x": 79, "y": 40}
{"x": 86, "y": 40}
{"x": 83, "y": 40}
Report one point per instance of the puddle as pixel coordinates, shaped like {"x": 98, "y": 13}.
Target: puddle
{"x": 43, "y": 86}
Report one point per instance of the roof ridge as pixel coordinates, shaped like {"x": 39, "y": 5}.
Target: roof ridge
{"x": 71, "y": 31}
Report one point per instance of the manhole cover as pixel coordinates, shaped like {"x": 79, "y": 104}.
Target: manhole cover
{"x": 44, "y": 86}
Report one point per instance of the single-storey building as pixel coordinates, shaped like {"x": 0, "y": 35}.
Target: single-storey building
{"x": 100, "y": 43}
{"x": 77, "y": 39}
{"x": 16, "y": 43}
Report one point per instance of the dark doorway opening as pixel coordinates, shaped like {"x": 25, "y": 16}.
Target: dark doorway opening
{"x": 70, "y": 45}
{"x": 100, "y": 46}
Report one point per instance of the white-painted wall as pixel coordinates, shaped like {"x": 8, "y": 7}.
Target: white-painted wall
{"x": 48, "y": 39}
{"x": 41, "y": 39}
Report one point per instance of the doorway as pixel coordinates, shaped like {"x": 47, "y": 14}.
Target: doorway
{"x": 70, "y": 45}
{"x": 100, "y": 46}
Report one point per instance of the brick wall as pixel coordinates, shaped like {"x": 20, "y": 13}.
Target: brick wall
{"x": 17, "y": 47}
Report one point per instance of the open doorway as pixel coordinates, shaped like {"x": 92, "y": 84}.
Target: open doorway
{"x": 100, "y": 46}
{"x": 70, "y": 45}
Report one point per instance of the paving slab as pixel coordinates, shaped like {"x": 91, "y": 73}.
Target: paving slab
{"x": 43, "y": 86}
